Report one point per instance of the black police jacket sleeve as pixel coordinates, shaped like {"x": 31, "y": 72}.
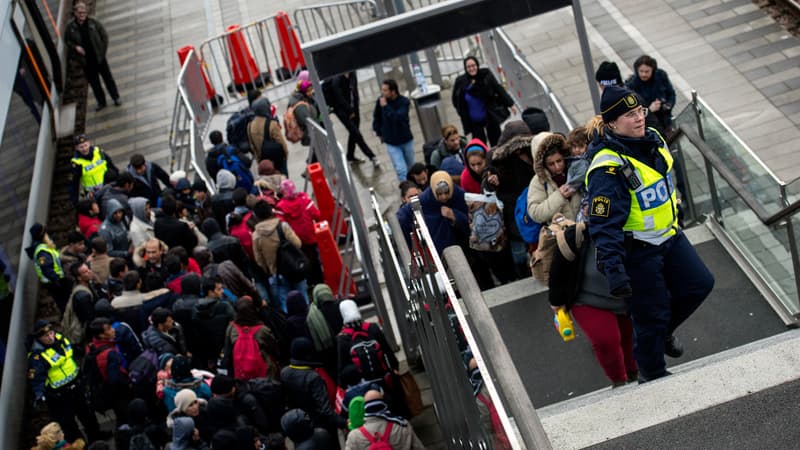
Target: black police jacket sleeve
{"x": 606, "y": 232}
{"x": 47, "y": 267}
{"x": 38, "y": 374}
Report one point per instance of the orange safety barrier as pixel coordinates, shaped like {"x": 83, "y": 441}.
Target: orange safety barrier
{"x": 245, "y": 71}
{"x": 211, "y": 93}
{"x": 332, "y": 263}
{"x": 323, "y": 196}
{"x": 291, "y": 53}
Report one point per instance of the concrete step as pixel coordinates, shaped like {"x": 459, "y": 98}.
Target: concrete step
{"x": 695, "y": 386}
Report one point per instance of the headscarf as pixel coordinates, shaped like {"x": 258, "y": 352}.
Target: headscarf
{"x": 441, "y": 177}
{"x": 303, "y": 86}
{"x": 471, "y": 78}
{"x": 475, "y": 146}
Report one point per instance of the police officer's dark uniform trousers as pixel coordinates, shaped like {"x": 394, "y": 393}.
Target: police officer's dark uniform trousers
{"x": 640, "y": 248}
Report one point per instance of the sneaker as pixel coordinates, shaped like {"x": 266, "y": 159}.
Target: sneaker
{"x": 100, "y": 108}
{"x": 643, "y": 379}
{"x": 673, "y": 347}
{"x": 355, "y": 160}
{"x": 117, "y": 102}
{"x": 375, "y": 163}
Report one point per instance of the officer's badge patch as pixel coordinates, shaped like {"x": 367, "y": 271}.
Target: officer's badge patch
{"x": 601, "y": 206}
{"x": 42, "y": 260}
{"x": 630, "y": 101}
{"x": 31, "y": 374}
{"x": 611, "y": 170}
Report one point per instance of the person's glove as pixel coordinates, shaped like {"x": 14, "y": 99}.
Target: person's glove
{"x": 619, "y": 284}
{"x": 39, "y": 404}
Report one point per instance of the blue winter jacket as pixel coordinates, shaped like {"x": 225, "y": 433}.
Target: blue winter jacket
{"x": 443, "y": 232}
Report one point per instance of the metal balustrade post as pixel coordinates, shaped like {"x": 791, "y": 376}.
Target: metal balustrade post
{"x": 586, "y": 52}
{"x": 792, "y": 245}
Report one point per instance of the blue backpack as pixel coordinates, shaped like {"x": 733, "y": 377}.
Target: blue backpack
{"x": 528, "y": 228}
{"x": 229, "y": 161}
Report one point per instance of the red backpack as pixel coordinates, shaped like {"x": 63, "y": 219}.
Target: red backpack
{"x": 378, "y": 442}
{"x": 247, "y": 360}
{"x": 367, "y": 354}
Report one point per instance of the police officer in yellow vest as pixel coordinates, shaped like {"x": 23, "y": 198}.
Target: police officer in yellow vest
{"x": 54, "y": 379}
{"x": 47, "y": 264}
{"x": 633, "y": 220}
{"x": 89, "y": 167}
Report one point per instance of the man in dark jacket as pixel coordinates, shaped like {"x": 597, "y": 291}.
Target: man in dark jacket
{"x": 224, "y": 248}
{"x": 164, "y": 335}
{"x": 191, "y": 289}
{"x": 222, "y": 201}
{"x": 109, "y": 360}
{"x": 210, "y": 318}
{"x": 172, "y": 230}
{"x": 119, "y": 190}
{"x": 87, "y": 42}
{"x": 146, "y": 176}
{"x": 115, "y": 231}
{"x": 390, "y": 122}
{"x": 125, "y": 336}
{"x": 306, "y": 390}
{"x": 344, "y": 90}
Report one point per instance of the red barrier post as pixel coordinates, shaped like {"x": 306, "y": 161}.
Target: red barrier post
{"x": 332, "y": 263}
{"x": 183, "y": 53}
{"x": 246, "y": 74}
{"x": 291, "y": 53}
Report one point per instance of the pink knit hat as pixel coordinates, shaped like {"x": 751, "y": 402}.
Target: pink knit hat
{"x": 287, "y": 188}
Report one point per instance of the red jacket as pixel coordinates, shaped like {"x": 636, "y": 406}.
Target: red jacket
{"x": 300, "y": 213}
{"x": 109, "y": 361}
{"x": 88, "y": 225}
{"x": 245, "y": 235}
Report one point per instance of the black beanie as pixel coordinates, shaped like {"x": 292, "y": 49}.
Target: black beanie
{"x": 616, "y": 101}
{"x": 37, "y": 231}
{"x": 608, "y": 74}
{"x": 222, "y": 384}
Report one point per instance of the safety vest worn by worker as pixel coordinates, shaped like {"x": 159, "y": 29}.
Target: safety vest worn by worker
{"x": 56, "y": 262}
{"x": 653, "y": 217}
{"x": 92, "y": 171}
{"x": 63, "y": 368}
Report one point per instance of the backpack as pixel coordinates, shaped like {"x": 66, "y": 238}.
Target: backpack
{"x": 528, "y": 228}
{"x": 550, "y": 237}
{"x": 140, "y": 441}
{"x": 236, "y": 129}
{"x": 378, "y": 442}
{"x": 487, "y": 231}
{"x": 269, "y": 395}
{"x": 229, "y": 161}
{"x": 270, "y": 149}
{"x": 95, "y": 388}
{"x": 243, "y": 233}
{"x": 428, "y": 148}
{"x": 292, "y": 129}
{"x": 292, "y": 263}
{"x": 277, "y": 323}
{"x": 144, "y": 368}
{"x": 247, "y": 360}
{"x": 367, "y": 354}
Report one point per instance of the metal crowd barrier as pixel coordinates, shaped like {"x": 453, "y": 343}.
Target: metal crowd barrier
{"x": 358, "y": 263}
{"x": 264, "y": 46}
{"x": 318, "y": 21}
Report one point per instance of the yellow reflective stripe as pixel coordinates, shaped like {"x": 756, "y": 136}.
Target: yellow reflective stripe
{"x": 56, "y": 262}
{"x": 93, "y": 171}
{"x": 63, "y": 369}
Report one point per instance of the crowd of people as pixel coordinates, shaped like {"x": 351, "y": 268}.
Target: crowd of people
{"x": 203, "y": 320}
{"x": 594, "y": 214}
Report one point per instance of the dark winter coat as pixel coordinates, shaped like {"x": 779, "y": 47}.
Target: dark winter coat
{"x": 224, "y": 248}
{"x": 344, "y": 342}
{"x": 171, "y": 342}
{"x": 443, "y": 232}
{"x": 115, "y": 232}
{"x": 147, "y": 185}
{"x": 305, "y": 390}
{"x": 175, "y": 232}
{"x": 514, "y": 175}
{"x": 658, "y": 87}
{"x": 391, "y": 122}
{"x": 210, "y": 319}
{"x": 486, "y": 89}
{"x": 97, "y": 35}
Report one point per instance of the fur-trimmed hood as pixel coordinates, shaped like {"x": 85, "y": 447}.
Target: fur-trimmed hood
{"x": 541, "y": 142}
{"x": 517, "y": 143}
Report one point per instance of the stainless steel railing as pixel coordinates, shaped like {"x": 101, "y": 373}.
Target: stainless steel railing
{"x": 325, "y": 19}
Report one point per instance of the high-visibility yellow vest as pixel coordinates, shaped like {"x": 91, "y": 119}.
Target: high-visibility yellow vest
{"x": 63, "y": 368}
{"x": 56, "y": 262}
{"x": 653, "y": 217}
{"x": 94, "y": 170}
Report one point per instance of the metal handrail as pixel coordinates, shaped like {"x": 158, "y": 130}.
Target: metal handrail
{"x": 440, "y": 273}
{"x": 316, "y": 11}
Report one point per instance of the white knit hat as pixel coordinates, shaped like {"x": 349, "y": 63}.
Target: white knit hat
{"x": 349, "y": 311}
{"x": 184, "y": 399}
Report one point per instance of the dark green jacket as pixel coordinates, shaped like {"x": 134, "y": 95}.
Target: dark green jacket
{"x": 97, "y": 34}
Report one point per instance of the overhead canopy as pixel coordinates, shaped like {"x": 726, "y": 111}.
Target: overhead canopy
{"x": 417, "y": 30}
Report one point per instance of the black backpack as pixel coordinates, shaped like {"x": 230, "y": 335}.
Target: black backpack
{"x": 143, "y": 369}
{"x": 236, "y": 129}
{"x": 292, "y": 263}
{"x": 269, "y": 395}
{"x": 367, "y": 354}
{"x": 95, "y": 388}
{"x": 270, "y": 149}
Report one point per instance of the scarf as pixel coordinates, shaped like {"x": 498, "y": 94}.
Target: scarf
{"x": 379, "y": 408}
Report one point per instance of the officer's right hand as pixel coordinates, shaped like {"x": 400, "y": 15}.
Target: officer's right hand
{"x": 619, "y": 284}
{"x": 39, "y": 404}
{"x": 623, "y": 291}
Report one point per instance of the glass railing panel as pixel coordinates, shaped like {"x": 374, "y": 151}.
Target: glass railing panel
{"x": 766, "y": 248}
{"x": 749, "y": 170}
